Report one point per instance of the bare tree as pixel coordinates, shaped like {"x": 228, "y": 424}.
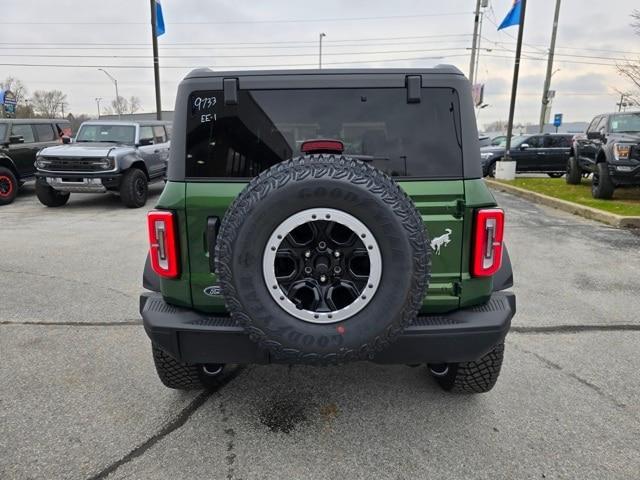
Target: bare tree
{"x": 119, "y": 106}
{"x": 16, "y": 86}
{"x": 48, "y": 103}
{"x": 134, "y": 104}
{"x": 630, "y": 69}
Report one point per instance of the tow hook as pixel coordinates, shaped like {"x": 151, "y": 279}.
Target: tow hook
{"x": 439, "y": 369}
{"x": 212, "y": 369}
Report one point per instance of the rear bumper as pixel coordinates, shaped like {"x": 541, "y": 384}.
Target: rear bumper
{"x": 463, "y": 335}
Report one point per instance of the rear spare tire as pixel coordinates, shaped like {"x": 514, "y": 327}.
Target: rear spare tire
{"x": 323, "y": 260}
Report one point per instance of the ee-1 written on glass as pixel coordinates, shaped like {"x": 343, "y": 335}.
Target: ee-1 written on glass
{"x": 203, "y": 106}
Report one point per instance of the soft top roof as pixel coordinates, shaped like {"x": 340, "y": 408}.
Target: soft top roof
{"x": 130, "y": 123}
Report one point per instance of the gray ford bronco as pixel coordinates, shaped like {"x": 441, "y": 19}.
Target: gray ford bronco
{"x": 324, "y": 217}
{"x": 106, "y": 156}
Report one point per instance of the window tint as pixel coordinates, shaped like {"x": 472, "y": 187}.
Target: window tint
{"x": 45, "y": 132}
{"x": 159, "y": 135}
{"x": 25, "y": 131}
{"x": 376, "y": 125}
{"x": 559, "y": 141}
{"x": 146, "y": 132}
{"x": 593, "y": 126}
{"x": 535, "y": 142}
{"x": 602, "y": 124}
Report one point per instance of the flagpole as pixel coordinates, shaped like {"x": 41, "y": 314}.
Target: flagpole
{"x": 156, "y": 64}
{"x": 514, "y": 88}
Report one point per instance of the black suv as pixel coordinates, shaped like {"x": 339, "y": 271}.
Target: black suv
{"x": 610, "y": 150}
{"x": 547, "y": 153}
{"x": 20, "y": 141}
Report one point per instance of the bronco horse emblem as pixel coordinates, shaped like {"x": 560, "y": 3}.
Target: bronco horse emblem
{"x": 441, "y": 241}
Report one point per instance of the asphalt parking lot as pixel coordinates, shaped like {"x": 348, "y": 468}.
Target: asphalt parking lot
{"x": 80, "y": 398}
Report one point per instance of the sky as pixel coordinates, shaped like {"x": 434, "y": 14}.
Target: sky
{"x": 73, "y": 39}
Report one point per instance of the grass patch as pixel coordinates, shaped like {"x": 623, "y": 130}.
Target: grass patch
{"x": 626, "y": 201}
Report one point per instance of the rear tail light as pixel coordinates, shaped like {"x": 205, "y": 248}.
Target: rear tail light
{"x": 163, "y": 243}
{"x": 487, "y": 246}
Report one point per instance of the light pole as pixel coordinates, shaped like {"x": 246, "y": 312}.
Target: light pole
{"x": 322, "y": 35}
{"x": 115, "y": 82}
{"x": 98, "y": 100}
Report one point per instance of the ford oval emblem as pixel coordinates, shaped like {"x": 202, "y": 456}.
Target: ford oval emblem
{"x": 213, "y": 291}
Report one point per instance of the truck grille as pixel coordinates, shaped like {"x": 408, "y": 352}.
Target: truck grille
{"x": 61, "y": 164}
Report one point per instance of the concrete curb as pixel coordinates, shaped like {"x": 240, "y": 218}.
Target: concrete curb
{"x": 612, "y": 219}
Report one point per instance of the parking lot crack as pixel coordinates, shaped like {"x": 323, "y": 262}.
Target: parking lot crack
{"x": 572, "y": 375}
{"x": 168, "y": 428}
{"x": 620, "y": 327}
{"x": 122, "y": 323}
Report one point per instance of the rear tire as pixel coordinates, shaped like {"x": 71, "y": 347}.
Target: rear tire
{"x": 49, "y": 196}
{"x": 574, "y": 173}
{"x": 183, "y": 376}
{"x": 479, "y": 376}
{"x": 601, "y": 184}
{"x": 8, "y": 186}
{"x": 134, "y": 188}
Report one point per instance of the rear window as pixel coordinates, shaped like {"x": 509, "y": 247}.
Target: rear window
{"x": 417, "y": 140}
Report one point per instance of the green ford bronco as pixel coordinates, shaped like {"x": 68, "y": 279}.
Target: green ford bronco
{"x": 323, "y": 217}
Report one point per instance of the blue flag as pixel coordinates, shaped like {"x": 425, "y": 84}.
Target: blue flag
{"x": 159, "y": 20}
{"x": 513, "y": 17}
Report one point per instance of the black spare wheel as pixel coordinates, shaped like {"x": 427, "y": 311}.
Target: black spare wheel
{"x": 323, "y": 260}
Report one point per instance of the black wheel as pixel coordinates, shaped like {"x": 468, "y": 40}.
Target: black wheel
{"x": 49, "y": 196}
{"x": 492, "y": 170}
{"x": 555, "y": 174}
{"x": 184, "y": 376}
{"x": 134, "y": 188}
{"x": 471, "y": 377}
{"x": 8, "y": 186}
{"x": 601, "y": 184}
{"x": 574, "y": 172}
{"x": 300, "y": 256}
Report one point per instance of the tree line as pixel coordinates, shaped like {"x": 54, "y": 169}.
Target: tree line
{"x": 54, "y": 104}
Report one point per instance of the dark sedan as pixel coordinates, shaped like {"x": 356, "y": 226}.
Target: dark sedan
{"x": 545, "y": 153}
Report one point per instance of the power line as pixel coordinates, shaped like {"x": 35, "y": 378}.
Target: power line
{"x": 252, "y": 66}
{"x": 270, "y": 55}
{"x": 236, "y": 22}
{"x": 314, "y": 42}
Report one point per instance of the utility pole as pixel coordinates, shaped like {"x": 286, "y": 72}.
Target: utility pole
{"x": 514, "y": 88}
{"x": 474, "y": 43}
{"x": 322, "y": 35}
{"x": 115, "y": 82}
{"x": 156, "y": 62}
{"x": 478, "y": 49}
{"x": 98, "y": 100}
{"x": 547, "y": 80}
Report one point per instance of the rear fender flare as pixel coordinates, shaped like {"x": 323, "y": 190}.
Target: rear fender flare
{"x": 503, "y": 279}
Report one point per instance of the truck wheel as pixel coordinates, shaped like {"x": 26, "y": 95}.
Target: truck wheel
{"x": 134, "y": 188}
{"x": 50, "y": 196}
{"x": 574, "y": 173}
{"x": 301, "y": 254}
{"x": 601, "y": 184}
{"x": 184, "y": 376}
{"x": 470, "y": 377}
{"x": 8, "y": 186}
